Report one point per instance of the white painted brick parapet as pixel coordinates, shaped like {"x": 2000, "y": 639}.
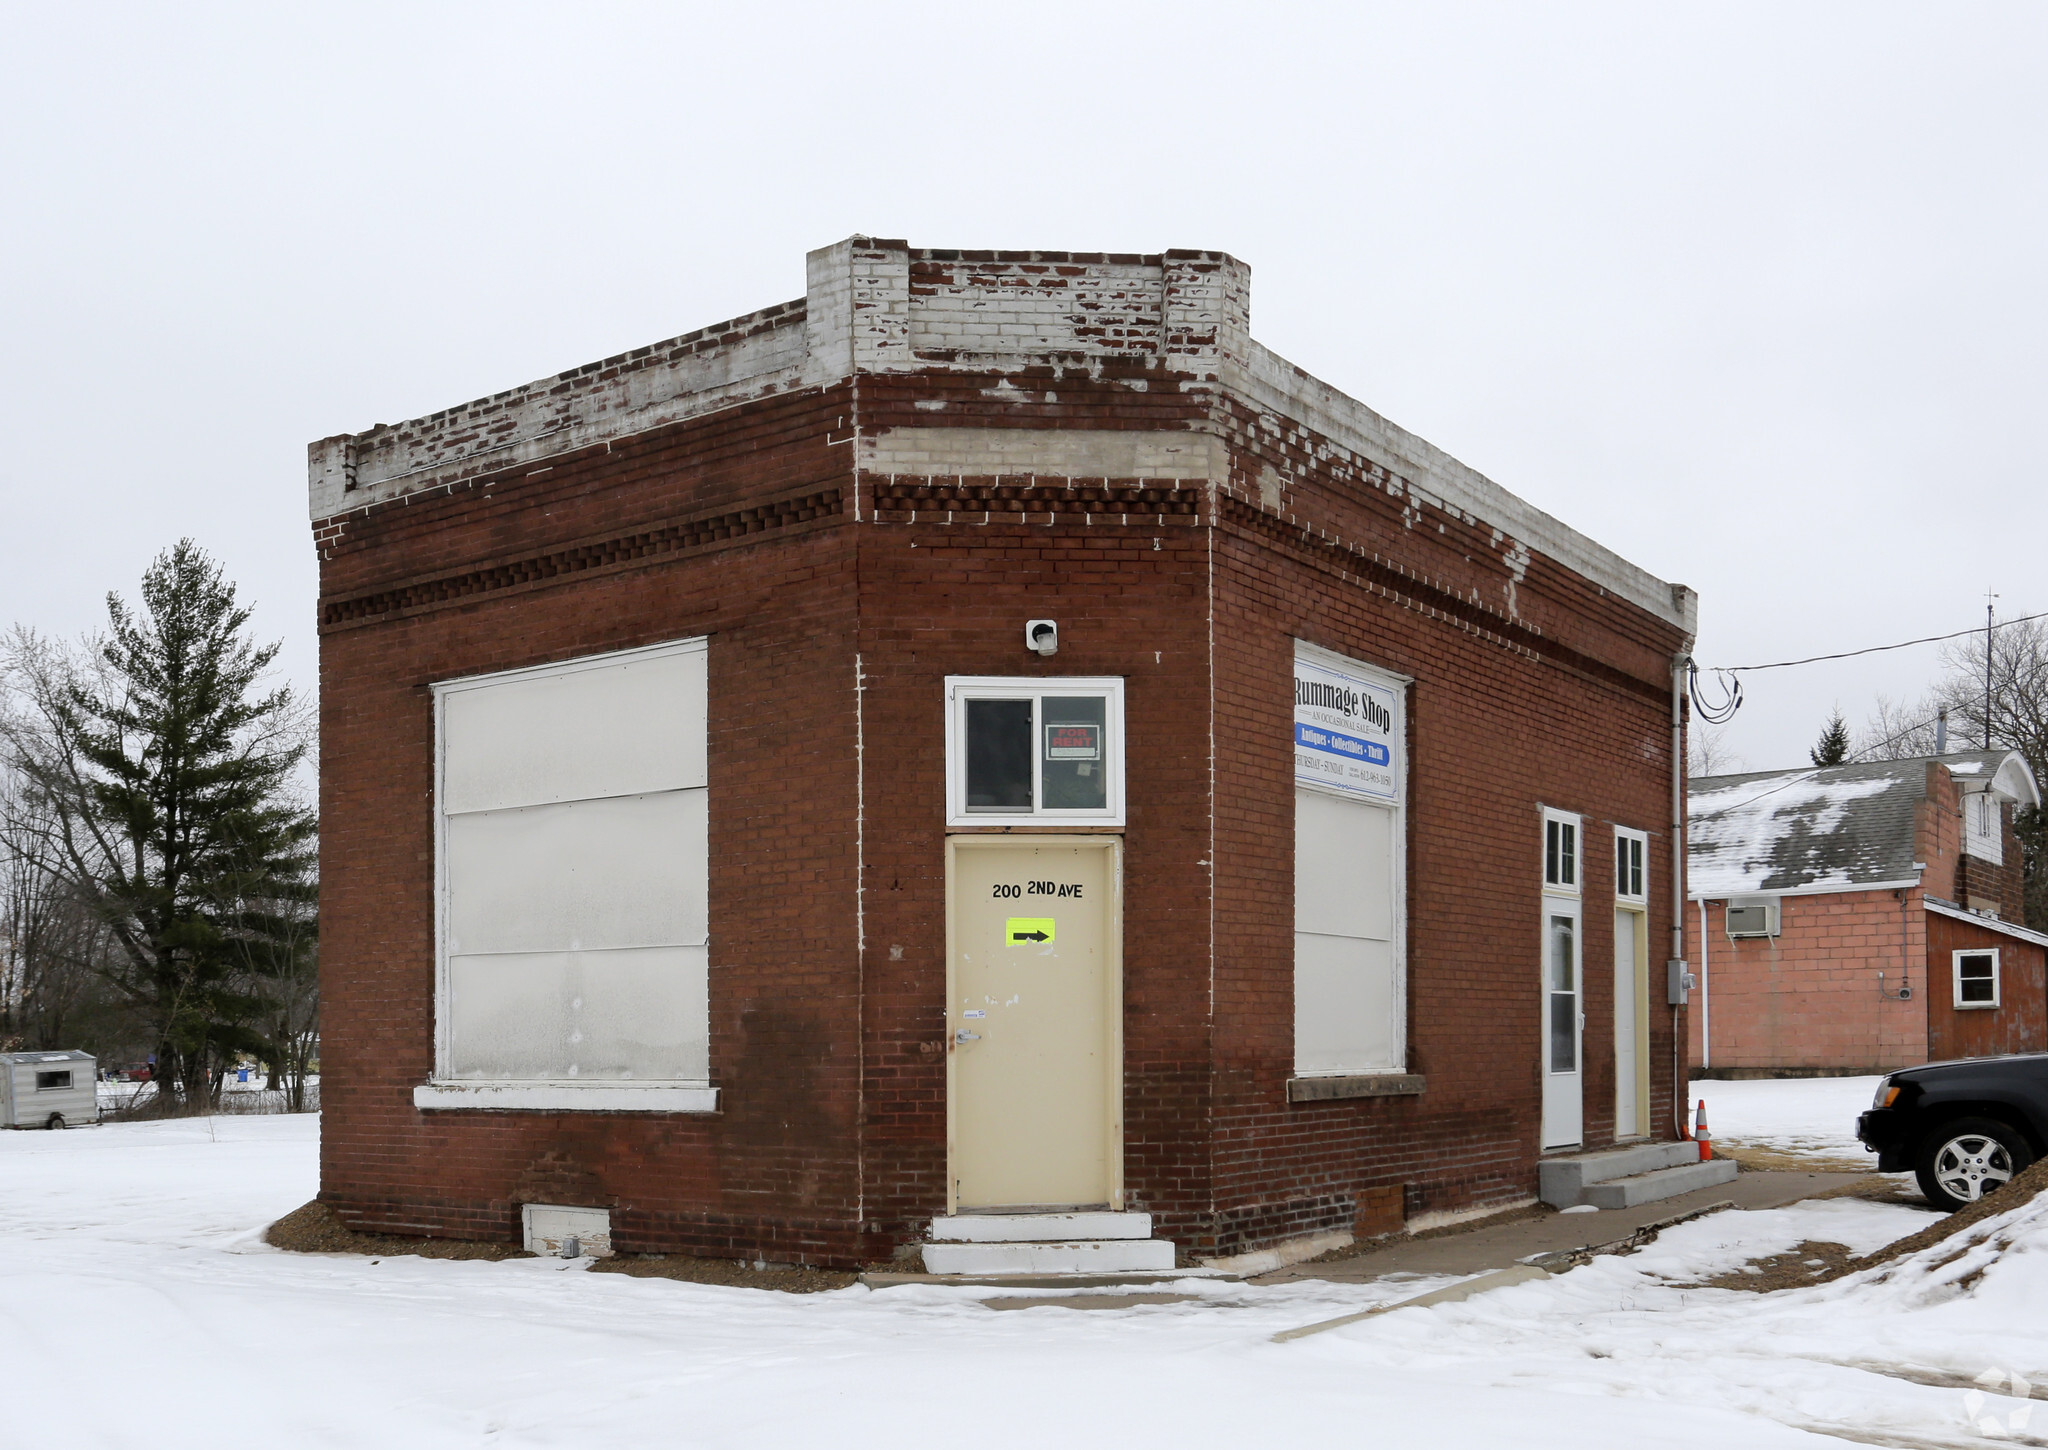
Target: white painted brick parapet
{"x": 875, "y": 306}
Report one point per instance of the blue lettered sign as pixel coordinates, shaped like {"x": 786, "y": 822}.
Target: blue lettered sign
{"x": 1348, "y": 730}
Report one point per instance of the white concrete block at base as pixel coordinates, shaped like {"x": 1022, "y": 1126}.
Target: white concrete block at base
{"x": 1086, "y": 1256}
{"x": 1664, "y": 1183}
{"x": 549, "y": 1224}
{"x": 1015, "y": 1228}
{"x": 1294, "y": 1251}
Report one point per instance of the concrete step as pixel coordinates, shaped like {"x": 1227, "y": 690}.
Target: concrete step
{"x": 1077, "y": 1256}
{"x": 1025, "y": 1228}
{"x": 1137, "y": 1278}
{"x": 1643, "y": 1188}
{"x": 1561, "y": 1182}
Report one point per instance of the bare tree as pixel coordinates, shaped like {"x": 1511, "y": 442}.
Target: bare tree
{"x": 1708, "y": 752}
{"x": 51, "y": 945}
{"x": 2002, "y": 699}
{"x": 1996, "y": 693}
{"x": 1900, "y": 730}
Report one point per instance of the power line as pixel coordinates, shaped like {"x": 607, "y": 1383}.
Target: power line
{"x": 1876, "y": 648}
{"x": 1722, "y": 711}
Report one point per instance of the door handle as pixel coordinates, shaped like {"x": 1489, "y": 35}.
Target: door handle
{"x": 963, "y": 1037}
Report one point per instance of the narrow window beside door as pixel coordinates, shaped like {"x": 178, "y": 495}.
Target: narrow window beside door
{"x": 1564, "y": 995}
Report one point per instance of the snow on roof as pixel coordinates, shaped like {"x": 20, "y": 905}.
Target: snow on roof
{"x": 1799, "y": 828}
{"x": 1836, "y": 826}
{"x": 1990, "y": 923}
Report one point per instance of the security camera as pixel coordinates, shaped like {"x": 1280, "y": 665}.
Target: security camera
{"x": 1042, "y": 635}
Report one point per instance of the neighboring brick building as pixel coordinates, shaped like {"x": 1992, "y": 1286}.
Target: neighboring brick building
{"x": 835, "y": 906}
{"x": 1876, "y": 922}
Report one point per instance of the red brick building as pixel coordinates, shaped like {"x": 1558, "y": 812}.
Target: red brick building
{"x": 987, "y": 738}
{"x": 1875, "y": 918}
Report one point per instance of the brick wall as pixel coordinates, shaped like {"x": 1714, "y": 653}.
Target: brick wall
{"x": 997, "y": 436}
{"x": 777, "y": 1171}
{"x": 1811, "y": 998}
{"x": 1503, "y": 720}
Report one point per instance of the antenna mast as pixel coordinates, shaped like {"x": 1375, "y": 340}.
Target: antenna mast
{"x": 1988, "y": 597}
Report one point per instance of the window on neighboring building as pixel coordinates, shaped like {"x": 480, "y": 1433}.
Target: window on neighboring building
{"x": 1977, "y": 977}
{"x": 1049, "y": 751}
{"x": 1350, "y": 867}
{"x": 1630, "y": 849}
{"x": 49, "y": 1081}
{"x": 1560, "y": 850}
{"x": 1984, "y": 827}
{"x": 574, "y": 873}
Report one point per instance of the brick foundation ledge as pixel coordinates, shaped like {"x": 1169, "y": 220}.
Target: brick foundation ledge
{"x": 563, "y": 1098}
{"x": 1360, "y": 1085}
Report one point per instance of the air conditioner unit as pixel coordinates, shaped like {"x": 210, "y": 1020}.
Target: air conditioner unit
{"x": 1752, "y": 918}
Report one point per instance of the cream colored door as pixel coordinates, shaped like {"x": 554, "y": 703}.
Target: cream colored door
{"x": 1631, "y": 1047}
{"x": 1034, "y": 1102}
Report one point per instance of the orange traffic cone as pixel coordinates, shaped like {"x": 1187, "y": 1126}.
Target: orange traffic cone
{"x": 1706, "y": 1139}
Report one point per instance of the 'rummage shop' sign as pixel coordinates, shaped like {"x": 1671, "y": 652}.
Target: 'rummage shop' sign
{"x": 1347, "y": 732}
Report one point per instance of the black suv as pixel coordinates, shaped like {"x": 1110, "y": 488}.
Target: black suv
{"x": 1964, "y": 1128}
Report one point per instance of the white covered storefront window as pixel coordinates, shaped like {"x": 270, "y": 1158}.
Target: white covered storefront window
{"x": 573, "y": 861}
{"x": 1350, "y": 867}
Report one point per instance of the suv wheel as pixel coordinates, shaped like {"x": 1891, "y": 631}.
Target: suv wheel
{"x": 1962, "y": 1161}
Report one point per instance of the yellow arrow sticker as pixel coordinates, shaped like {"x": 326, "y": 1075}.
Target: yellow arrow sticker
{"x": 1022, "y": 931}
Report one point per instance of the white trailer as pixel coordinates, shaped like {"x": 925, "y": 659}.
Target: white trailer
{"x": 48, "y": 1089}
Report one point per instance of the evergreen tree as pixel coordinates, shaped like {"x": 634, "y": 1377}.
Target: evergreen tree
{"x": 171, "y": 770}
{"x": 1833, "y": 746}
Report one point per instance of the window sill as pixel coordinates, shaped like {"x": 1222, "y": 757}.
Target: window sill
{"x": 563, "y": 1098}
{"x": 1356, "y": 1085}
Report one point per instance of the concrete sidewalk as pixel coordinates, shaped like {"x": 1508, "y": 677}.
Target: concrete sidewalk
{"x": 1489, "y": 1247}
{"x": 1486, "y": 1246}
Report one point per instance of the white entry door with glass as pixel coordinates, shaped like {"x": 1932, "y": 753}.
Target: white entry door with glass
{"x": 1563, "y": 997}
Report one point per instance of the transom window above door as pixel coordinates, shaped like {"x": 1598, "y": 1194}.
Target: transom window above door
{"x": 1631, "y": 849}
{"x": 1560, "y": 851}
{"x": 1043, "y": 752}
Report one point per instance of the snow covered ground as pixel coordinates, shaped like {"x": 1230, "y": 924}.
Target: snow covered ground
{"x": 137, "y": 1305}
{"x": 1809, "y": 1117}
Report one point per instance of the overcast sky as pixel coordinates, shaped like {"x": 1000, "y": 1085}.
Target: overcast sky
{"x": 1752, "y": 294}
